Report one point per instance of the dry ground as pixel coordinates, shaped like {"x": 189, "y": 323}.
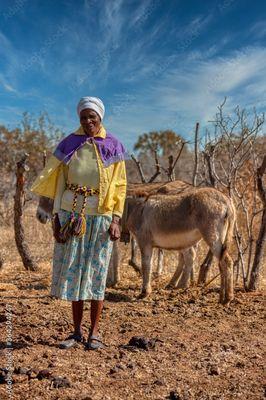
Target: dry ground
{"x": 203, "y": 350}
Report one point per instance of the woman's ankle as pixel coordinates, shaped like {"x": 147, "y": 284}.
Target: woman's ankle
{"x": 78, "y": 331}
{"x": 94, "y": 332}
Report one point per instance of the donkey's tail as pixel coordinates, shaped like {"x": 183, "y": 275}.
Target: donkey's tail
{"x": 230, "y": 219}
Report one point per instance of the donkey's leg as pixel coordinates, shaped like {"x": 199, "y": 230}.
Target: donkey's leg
{"x": 226, "y": 263}
{"x": 204, "y": 269}
{"x": 159, "y": 269}
{"x": 189, "y": 258}
{"x": 133, "y": 244}
{"x": 216, "y": 249}
{"x": 222, "y": 280}
{"x": 214, "y": 237}
{"x": 110, "y": 281}
{"x": 113, "y": 276}
{"x": 225, "y": 260}
{"x": 178, "y": 272}
{"x": 192, "y": 276}
{"x": 133, "y": 258}
{"x": 146, "y": 264}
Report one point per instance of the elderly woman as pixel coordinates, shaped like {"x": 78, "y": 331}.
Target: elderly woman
{"x": 86, "y": 177}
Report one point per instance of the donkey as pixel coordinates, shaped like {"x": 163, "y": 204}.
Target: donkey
{"x": 178, "y": 222}
{"x": 185, "y": 257}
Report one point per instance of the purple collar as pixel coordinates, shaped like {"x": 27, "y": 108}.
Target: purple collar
{"x": 109, "y": 148}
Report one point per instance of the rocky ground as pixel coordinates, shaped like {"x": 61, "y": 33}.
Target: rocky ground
{"x": 194, "y": 349}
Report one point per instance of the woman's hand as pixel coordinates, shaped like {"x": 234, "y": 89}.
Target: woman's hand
{"x": 114, "y": 229}
{"x": 56, "y": 229}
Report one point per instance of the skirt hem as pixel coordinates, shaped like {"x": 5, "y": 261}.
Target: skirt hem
{"x": 71, "y": 299}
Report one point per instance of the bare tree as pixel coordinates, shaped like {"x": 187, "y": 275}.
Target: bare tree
{"x": 157, "y": 165}
{"x": 260, "y": 245}
{"x": 228, "y": 161}
{"x": 170, "y": 171}
{"x": 230, "y": 158}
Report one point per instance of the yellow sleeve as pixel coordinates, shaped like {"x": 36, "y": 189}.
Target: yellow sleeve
{"x": 45, "y": 183}
{"x": 120, "y": 186}
{"x": 60, "y": 188}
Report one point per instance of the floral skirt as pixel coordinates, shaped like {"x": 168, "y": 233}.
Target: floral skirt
{"x": 80, "y": 265}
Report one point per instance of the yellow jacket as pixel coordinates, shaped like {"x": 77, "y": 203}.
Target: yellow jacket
{"x": 112, "y": 181}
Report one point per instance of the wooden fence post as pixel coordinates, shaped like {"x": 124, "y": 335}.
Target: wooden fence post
{"x": 21, "y": 243}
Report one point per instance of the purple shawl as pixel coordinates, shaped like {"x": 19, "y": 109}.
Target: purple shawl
{"x": 109, "y": 148}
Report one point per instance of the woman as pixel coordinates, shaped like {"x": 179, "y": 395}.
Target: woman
{"x": 86, "y": 177}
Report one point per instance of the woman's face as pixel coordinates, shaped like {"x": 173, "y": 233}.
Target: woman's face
{"x": 90, "y": 121}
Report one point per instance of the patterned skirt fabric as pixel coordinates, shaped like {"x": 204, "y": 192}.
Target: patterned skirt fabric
{"x": 80, "y": 265}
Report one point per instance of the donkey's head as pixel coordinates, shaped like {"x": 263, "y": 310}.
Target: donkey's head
{"x": 132, "y": 212}
{"x": 44, "y": 209}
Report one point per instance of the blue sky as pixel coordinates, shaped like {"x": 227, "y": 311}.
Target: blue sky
{"x": 156, "y": 64}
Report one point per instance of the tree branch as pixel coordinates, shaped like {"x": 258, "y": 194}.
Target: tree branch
{"x": 138, "y": 164}
{"x": 196, "y": 162}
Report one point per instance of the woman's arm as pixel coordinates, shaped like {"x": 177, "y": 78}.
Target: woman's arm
{"x": 119, "y": 182}
{"x": 60, "y": 188}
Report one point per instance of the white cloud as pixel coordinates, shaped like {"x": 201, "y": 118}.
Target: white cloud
{"x": 191, "y": 92}
{"x": 6, "y": 46}
{"x": 172, "y": 82}
{"x": 142, "y": 12}
{"x": 259, "y": 29}
{"x": 6, "y": 85}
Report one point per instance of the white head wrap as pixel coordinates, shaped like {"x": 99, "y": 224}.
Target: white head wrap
{"x": 93, "y": 103}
